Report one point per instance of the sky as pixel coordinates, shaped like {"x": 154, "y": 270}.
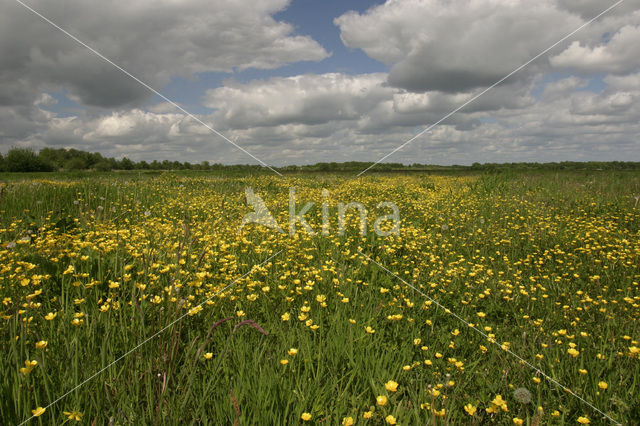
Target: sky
{"x": 305, "y": 81}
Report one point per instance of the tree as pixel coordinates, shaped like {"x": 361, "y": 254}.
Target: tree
{"x": 126, "y": 164}
{"x": 103, "y": 166}
{"x": 76, "y": 163}
{"x": 25, "y": 160}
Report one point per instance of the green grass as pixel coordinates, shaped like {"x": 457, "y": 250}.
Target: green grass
{"x": 537, "y": 253}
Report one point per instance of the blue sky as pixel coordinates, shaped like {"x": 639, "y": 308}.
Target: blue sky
{"x": 303, "y": 81}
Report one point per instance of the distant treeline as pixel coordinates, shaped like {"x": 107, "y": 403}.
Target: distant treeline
{"x": 51, "y": 160}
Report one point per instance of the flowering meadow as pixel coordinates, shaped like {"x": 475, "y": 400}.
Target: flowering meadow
{"x": 508, "y": 298}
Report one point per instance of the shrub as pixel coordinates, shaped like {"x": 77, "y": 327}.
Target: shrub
{"x": 103, "y": 166}
{"x": 75, "y": 164}
{"x": 25, "y": 160}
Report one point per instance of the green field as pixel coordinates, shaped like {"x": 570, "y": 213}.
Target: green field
{"x": 141, "y": 289}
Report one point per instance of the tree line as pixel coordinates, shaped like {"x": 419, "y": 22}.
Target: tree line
{"x": 61, "y": 159}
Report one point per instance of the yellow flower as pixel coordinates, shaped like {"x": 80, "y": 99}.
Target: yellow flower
{"x": 41, "y": 344}
{"x": 367, "y": 414}
{"x": 497, "y": 404}
{"x": 73, "y": 415}
{"x": 240, "y": 313}
{"x": 481, "y": 314}
{"x": 285, "y": 316}
{"x": 369, "y": 330}
{"x": 348, "y": 421}
{"x": 50, "y": 316}
{"x": 555, "y": 413}
{"x": 517, "y": 421}
{"x": 470, "y": 409}
{"x": 28, "y": 366}
{"x": 391, "y": 386}
{"x": 381, "y": 400}
{"x": 390, "y": 419}
{"x": 603, "y": 385}
{"x": 284, "y": 361}
{"x": 38, "y": 411}
{"x": 573, "y": 352}
{"x": 305, "y": 417}
{"x": 208, "y": 355}
{"x": 584, "y": 420}
{"x": 293, "y": 351}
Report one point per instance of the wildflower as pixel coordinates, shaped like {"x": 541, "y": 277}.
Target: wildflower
{"x": 305, "y": 417}
{"x": 381, "y": 400}
{"x": 285, "y": 316}
{"x": 38, "y": 411}
{"x": 481, "y": 314}
{"x": 584, "y": 420}
{"x": 367, "y": 414}
{"x": 347, "y": 421}
{"x": 28, "y": 366}
{"x": 440, "y": 413}
{"x": 517, "y": 421}
{"x": 390, "y": 419}
{"x": 497, "y": 404}
{"x": 293, "y": 351}
{"x": 573, "y": 352}
{"x": 208, "y": 355}
{"x": 73, "y": 415}
{"x": 50, "y": 316}
{"x": 603, "y": 385}
{"x": 522, "y": 395}
{"x": 470, "y": 409}
{"x": 284, "y": 361}
{"x": 369, "y": 330}
{"x": 391, "y": 386}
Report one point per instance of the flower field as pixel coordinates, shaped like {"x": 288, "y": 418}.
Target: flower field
{"x": 504, "y": 299}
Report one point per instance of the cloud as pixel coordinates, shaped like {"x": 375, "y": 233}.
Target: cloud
{"x": 154, "y": 40}
{"x": 304, "y": 99}
{"x": 441, "y": 54}
{"x": 455, "y": 45}
{"x": 621, "y": 54}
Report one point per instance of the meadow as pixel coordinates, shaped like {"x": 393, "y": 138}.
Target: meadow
{"x": 141, "y": 289}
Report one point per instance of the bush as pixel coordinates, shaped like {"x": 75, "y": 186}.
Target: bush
{"x": 75, "y": 164}
{"x": 25, "y": 160}
{"x": 103, "y": 166}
